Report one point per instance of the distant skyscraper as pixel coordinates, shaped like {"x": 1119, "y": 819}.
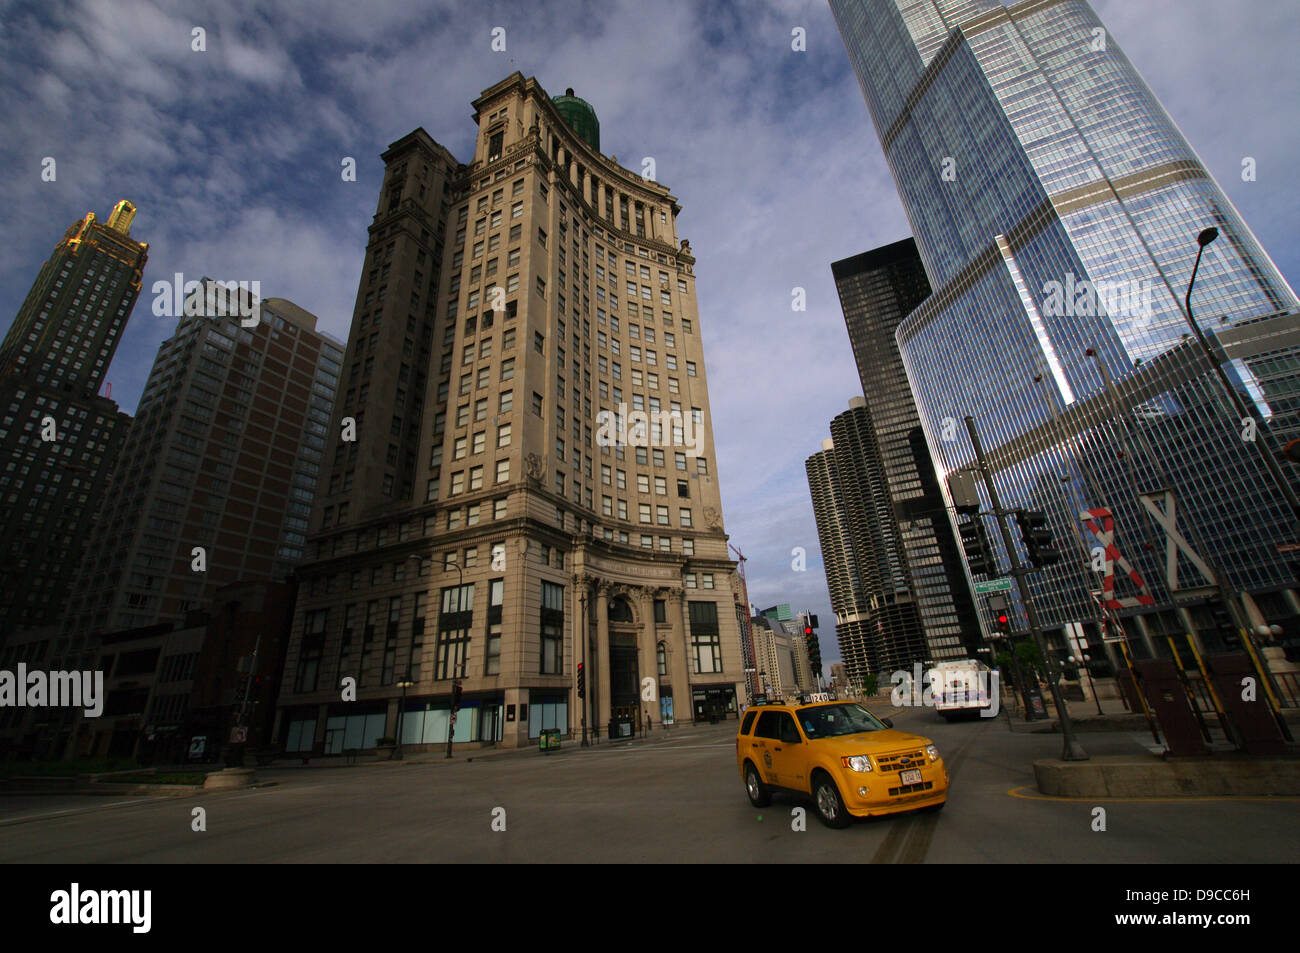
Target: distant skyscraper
{"x": 58, "y": 437}
{"x": 877, "y": 620}
{"x": 224, "y": 454}
{"x": 481, "y": 527}
{"x": 1056, "y": 208}
{"x": 877, "y": 291}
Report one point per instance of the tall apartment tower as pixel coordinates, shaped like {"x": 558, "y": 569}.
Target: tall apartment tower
{"x": 58, "y": 436}
{"x": 877, "y": 620}
{"x": 215, "y": 481}
{"x": 483, "y": 521}
{"x": 1057, "y": 210}
{"x": 877, "y": 290}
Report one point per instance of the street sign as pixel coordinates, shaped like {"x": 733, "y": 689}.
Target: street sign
{"x": 238, "y": 735}
{"x": 993, "y": 585}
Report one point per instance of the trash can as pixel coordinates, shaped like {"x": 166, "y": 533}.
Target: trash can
{"x": 549, "y": 740}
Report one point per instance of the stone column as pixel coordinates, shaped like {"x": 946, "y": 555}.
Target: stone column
{"x": 322, "y": 719}
{"x": 1145, "y": 635}
{"x": 601, "y": 658}
{"x": 649, "y": 659}
{"x": 390, "y": 718}
{"x": 679, "y": 660}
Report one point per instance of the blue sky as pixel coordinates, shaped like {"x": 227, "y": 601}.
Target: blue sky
{"x": 233, "y": 157}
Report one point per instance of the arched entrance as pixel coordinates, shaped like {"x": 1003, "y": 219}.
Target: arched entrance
{"x": 624, "y": 671}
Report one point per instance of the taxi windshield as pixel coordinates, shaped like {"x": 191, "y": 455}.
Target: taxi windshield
{"x": 828, "y": 721}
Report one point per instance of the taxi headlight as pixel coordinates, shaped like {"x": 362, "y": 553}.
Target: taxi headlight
{"x": 933, "y": 752}
{"x": 857, "y": 762}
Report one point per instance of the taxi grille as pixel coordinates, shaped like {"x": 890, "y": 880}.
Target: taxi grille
{"x": 911, "y": 788}
{"x": 895, "y": 761}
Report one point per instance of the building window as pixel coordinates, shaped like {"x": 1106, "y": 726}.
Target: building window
{"x": 492, "y": 656}
{"x": 552, "y": 655}
{"x": 455, "y": 622}
{"x": 705, "y": 641}
{"x": 313, "y": 640}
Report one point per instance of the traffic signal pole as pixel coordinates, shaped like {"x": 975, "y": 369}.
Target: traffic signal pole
{"x": 1071, "y": 750}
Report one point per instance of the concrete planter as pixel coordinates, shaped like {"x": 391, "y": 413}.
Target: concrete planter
{"x": 231, "y": 779}
{"x": 1125, "y": 776}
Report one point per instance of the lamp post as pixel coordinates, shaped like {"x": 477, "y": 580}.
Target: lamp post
{"x": 583, "y": 601}
{"x": 1207, "y": 236}
{"x": 404, "y": 684}
{"x": 451, "y": 710}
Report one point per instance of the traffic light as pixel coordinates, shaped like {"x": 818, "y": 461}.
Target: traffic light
{"x": 975, "y": 541}
{"x": 1001, "y": 620}
{"x": 582, "y": 681}
{"x": 455, "y": 695}
{"x": 814, "y": 645}
{"x": 1037, "y": 538}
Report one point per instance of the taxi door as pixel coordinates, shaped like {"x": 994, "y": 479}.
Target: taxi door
{"x": 777, "y": 750}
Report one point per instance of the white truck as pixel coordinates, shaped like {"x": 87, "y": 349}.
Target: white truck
{"x": 960, "y": 688}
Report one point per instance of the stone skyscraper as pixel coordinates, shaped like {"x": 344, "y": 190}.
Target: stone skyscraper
{"x": 58, "y": 436}
{"x": 1057, "y": 210}
{"x": 515, "y": 313}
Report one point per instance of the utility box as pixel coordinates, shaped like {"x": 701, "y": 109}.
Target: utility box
{"x": 1257, "y": 729}
{"x": 1158, "y": 678}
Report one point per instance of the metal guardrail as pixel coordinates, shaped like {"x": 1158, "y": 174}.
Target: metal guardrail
{"x": 1288, "y": 688}
{"x": 1287, "y": 683}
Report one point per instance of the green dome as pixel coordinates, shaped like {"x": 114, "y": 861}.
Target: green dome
{"x": 580, "y": 117}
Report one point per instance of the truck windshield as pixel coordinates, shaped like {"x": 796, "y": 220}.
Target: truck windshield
{"x": 827, "y": 721}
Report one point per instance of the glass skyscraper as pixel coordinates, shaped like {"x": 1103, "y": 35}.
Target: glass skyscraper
{"x": 1056, "y": 208}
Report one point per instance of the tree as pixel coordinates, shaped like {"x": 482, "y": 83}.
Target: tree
{"x": 1028, "y": 655}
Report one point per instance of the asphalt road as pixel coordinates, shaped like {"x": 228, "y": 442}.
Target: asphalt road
{"x": 666, "y": 801}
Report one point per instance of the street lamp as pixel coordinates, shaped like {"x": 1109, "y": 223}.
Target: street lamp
{"x": 451, "y": 711}
{"x": 404, "y": 684}
{"x": 583, "y": 700}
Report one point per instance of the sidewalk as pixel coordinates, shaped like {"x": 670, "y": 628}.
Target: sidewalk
{"x": 461, "y": 755}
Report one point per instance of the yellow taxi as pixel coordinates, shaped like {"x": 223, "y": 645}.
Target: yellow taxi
{"x": 851, "y": 763}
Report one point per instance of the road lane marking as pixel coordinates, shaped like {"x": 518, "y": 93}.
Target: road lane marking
{"x": 72, "y": 810}
{"x": 1015, "y": 792}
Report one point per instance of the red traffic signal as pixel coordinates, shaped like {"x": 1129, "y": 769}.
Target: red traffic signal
{"x": 807, "y": 630}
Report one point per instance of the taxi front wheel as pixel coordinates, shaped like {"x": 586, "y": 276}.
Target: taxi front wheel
{"x": 758, "y": 795}
{"x": 830, "y": 806}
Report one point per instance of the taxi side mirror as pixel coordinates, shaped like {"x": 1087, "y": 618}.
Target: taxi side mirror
{"x": 888, "y": 722}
